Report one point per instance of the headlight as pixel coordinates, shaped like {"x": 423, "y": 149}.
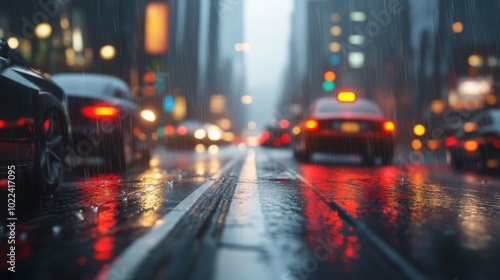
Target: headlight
{"x": 148, "y": 115}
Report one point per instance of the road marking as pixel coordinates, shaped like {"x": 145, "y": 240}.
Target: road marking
{"x": 128, "y": 263}
{"x": 245, "y": 252}
{"x": 410, "y": 271}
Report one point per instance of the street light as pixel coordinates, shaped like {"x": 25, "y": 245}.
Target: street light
{"x": 43, "y": 30}
{"x": 107, "y": 52}
{"x": 13, "y": 43}
{"x": 246, "y": 99}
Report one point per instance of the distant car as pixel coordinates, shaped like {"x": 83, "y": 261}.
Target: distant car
{"x": 345, "y": 125}
{"x": 190, "y": 133}
{"x": 477, "y": 144}
{"x": 275, "y": 136}
{"x": 107, "y": 124}
{"x": 34, "y": 127}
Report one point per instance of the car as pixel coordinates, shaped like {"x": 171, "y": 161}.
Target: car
{"x": 476, "y": 145}
{"x": 275, "y": 136}
{"x": 345, "y": 125}
{"x": 108, "y": 126}
{"x": 34, "y": 127}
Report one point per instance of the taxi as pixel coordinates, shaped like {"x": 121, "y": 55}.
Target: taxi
{"x": 345, "y": 125}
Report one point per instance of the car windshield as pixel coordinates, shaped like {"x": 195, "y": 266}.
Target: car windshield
{"x": 359, "y": 106}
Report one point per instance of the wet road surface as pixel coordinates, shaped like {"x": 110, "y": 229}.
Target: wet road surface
{"x": 258, "y": 214}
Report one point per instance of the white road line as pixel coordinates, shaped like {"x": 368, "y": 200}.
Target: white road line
{"x": 126, "y": 266}
{"x": 245, "y": 252}
{"x": 410, "y": 271}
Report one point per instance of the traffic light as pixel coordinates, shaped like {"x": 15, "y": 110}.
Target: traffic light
{"x": 329, "y": 81}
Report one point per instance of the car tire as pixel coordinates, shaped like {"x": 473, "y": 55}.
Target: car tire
{"x": 50, "y": 153}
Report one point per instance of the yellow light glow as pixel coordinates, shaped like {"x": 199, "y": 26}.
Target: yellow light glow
{"x": 228, "y": 136}
{"x": 491, "y": 99}
{"x": 470, "y": 127}
{"x": 213, "y": 149}
{"x": 475, "y": 60}
{"x": 437, "y": 106}
{"x": 156, "y": 28}
{"x": 148, "y": 115}
{"x": 246, "y": 99}
{"x": 200, "y": 148}
{"x": 492, "y": 163}
{"x": 180, "y": 108}
{"x": 214, "y": 134}
{"x": 155, "y": 136}
{"x": 43, "y": 30}
{"x": 346, "y": 96}
{"x": 336, "y": 30}
{"x": 457, "y": 27}
{"x": 225, "y": 124}
{"x": 217, "y": 104}
{"x": 335, "y": 47}
{"x": 296, "y": 130}
{"x": 419, "y": 130}
{"x": 107, "y": 52}
{"x": 416, "y": 144}
{"x": 64, "y": 23}
{"x": 13, "y": 43}
{"x": 470, "y": 146}
{"x": 200, "y": 134}
{"x": 433, "y": 145}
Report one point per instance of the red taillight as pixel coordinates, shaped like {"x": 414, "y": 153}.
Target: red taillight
{"x": 450, "y": 141}
{"x": 389, "y": 127}
{"x": 2, "y": 123}
{"x": 100, "y": 111}
{"x": 495, "y": 141}
{"x": 285, "y": 138}
{"x": 182, "y": 130}
{"x": 311, "y": 125}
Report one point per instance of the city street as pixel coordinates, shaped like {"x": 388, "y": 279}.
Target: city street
{"x": 255, "y": 213}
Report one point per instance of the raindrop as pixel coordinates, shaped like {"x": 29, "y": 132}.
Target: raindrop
{"x": 138, "y": 194}
{"x": 56, "y": 230}
{"x": 123, "y": 192}
{"x": 151, "y": 187}
{"x": 125, "y": 199}
{"x": 94, "y": 208}
{"x": 179, "y": 177}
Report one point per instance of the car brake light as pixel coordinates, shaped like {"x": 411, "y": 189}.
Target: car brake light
{"x": 346, "y": 96}
{"x": 495, "y": 141}
{"x": 470, "y": 146}
{"x": 100, "y": 111}
{"x": 312, "y": 125}
{"x": 450, "y": 141}
{"x": 389, "y": 127}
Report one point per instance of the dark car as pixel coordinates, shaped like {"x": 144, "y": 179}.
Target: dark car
{"x": 345, "y": 125}
{"x": 34, "y": 127}
{"x": 107, "y": 125}
{"x": 477, "y": 144}
{"x": 276, "y": 136}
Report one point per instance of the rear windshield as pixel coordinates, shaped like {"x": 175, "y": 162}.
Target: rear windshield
{"x": 359, "y": 106}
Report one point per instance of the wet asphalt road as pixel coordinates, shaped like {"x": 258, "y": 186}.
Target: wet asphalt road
{"x": 258, "y": 214}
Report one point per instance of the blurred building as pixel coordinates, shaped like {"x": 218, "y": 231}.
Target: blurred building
{"x": 456, "y": 55}
{"x": 189, "y": 58}
{"x": 365, "y": 45}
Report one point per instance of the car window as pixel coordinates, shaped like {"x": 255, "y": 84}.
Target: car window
{"x": 360, "y": 106}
